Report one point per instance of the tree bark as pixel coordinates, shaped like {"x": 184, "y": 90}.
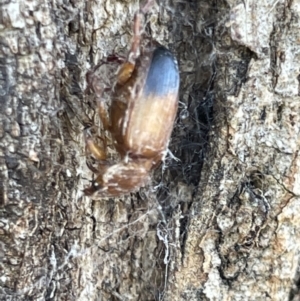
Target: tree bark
{"x": 220, "y": 224}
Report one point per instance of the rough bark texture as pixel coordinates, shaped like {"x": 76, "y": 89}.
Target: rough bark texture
{"x": 221, "y": 224}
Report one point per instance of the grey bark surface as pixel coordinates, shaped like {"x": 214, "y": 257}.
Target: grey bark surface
{"x": 220, "y": 224}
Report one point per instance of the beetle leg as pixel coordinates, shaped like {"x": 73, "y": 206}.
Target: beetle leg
{"x": 97, "y": 151}
{"x": 127, "y": 68}
{"x": 93, "y": 80}
{"x": 92, "y": 168}
{"x": 148, "y": 4}
{"x": 135, "y": 46}
{"x": 115, "y": 58}
{"x": 137, "y": 31}
{"x": 125, "y": 73}
{"x": 102, "y": 111}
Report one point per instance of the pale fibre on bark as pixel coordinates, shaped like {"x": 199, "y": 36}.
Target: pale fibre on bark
{"x": 257, "y": 146}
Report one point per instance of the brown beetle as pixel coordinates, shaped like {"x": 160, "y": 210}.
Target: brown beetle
{"x": 142, "y": 114}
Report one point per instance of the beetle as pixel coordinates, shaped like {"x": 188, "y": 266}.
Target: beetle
{"x": 141, "y": 118}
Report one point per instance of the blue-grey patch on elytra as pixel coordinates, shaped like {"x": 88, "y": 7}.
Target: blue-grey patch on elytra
{"x": 163, "y": 75}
